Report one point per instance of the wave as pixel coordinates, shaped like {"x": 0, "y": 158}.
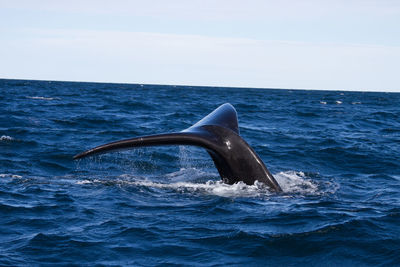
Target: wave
{"x": 291, "y": 182}
{"x": 217, "y": 188}
{"x": 8, "y": 175}
{"x": 296, "y": 182}
{"x": 43, "y": 98}
{"x": 6, "y": 138}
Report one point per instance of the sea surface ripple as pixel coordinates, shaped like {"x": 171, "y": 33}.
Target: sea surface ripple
{"x": 335, "y": 154}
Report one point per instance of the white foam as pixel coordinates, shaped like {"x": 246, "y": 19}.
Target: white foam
{"x": 6, "y": 138}
{"x": 217, "y": 188}
{"x": 296, "y": 182}
{"x": 8, "y": 175}
{"x": 85, "y": 182}
{"x": 322, "y": 102}
{"x": 338, "y": 102}
{"x": 291, "y": 182}
{"x": 42, "y": 98}
{"x": 356, "y": 103}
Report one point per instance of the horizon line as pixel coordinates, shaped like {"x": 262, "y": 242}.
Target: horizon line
{"x": 210, "y": 86}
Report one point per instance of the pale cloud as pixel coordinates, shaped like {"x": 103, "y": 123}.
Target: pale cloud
{"x": 216, "y": 9}
{"x": 136, "y": 57}
{"x": 351, "y": 45}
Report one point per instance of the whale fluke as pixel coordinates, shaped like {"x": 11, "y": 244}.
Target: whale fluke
{"x": 218, "y": 133}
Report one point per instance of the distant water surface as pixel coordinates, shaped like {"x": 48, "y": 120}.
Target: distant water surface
{"x": 335, "y": 154}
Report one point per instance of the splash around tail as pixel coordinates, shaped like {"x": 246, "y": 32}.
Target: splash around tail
{"x": 218, "y": 133}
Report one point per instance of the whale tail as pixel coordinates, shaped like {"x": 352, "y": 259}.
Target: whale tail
{"x": 218, "y": 133}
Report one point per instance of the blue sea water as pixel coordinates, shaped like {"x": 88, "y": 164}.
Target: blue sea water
{"x": 335, "y": 154}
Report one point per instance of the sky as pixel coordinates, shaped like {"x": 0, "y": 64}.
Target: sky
{"x": 303, "y": 44}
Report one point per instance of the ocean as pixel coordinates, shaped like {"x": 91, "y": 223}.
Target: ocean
{"x": 335, "y": 154}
